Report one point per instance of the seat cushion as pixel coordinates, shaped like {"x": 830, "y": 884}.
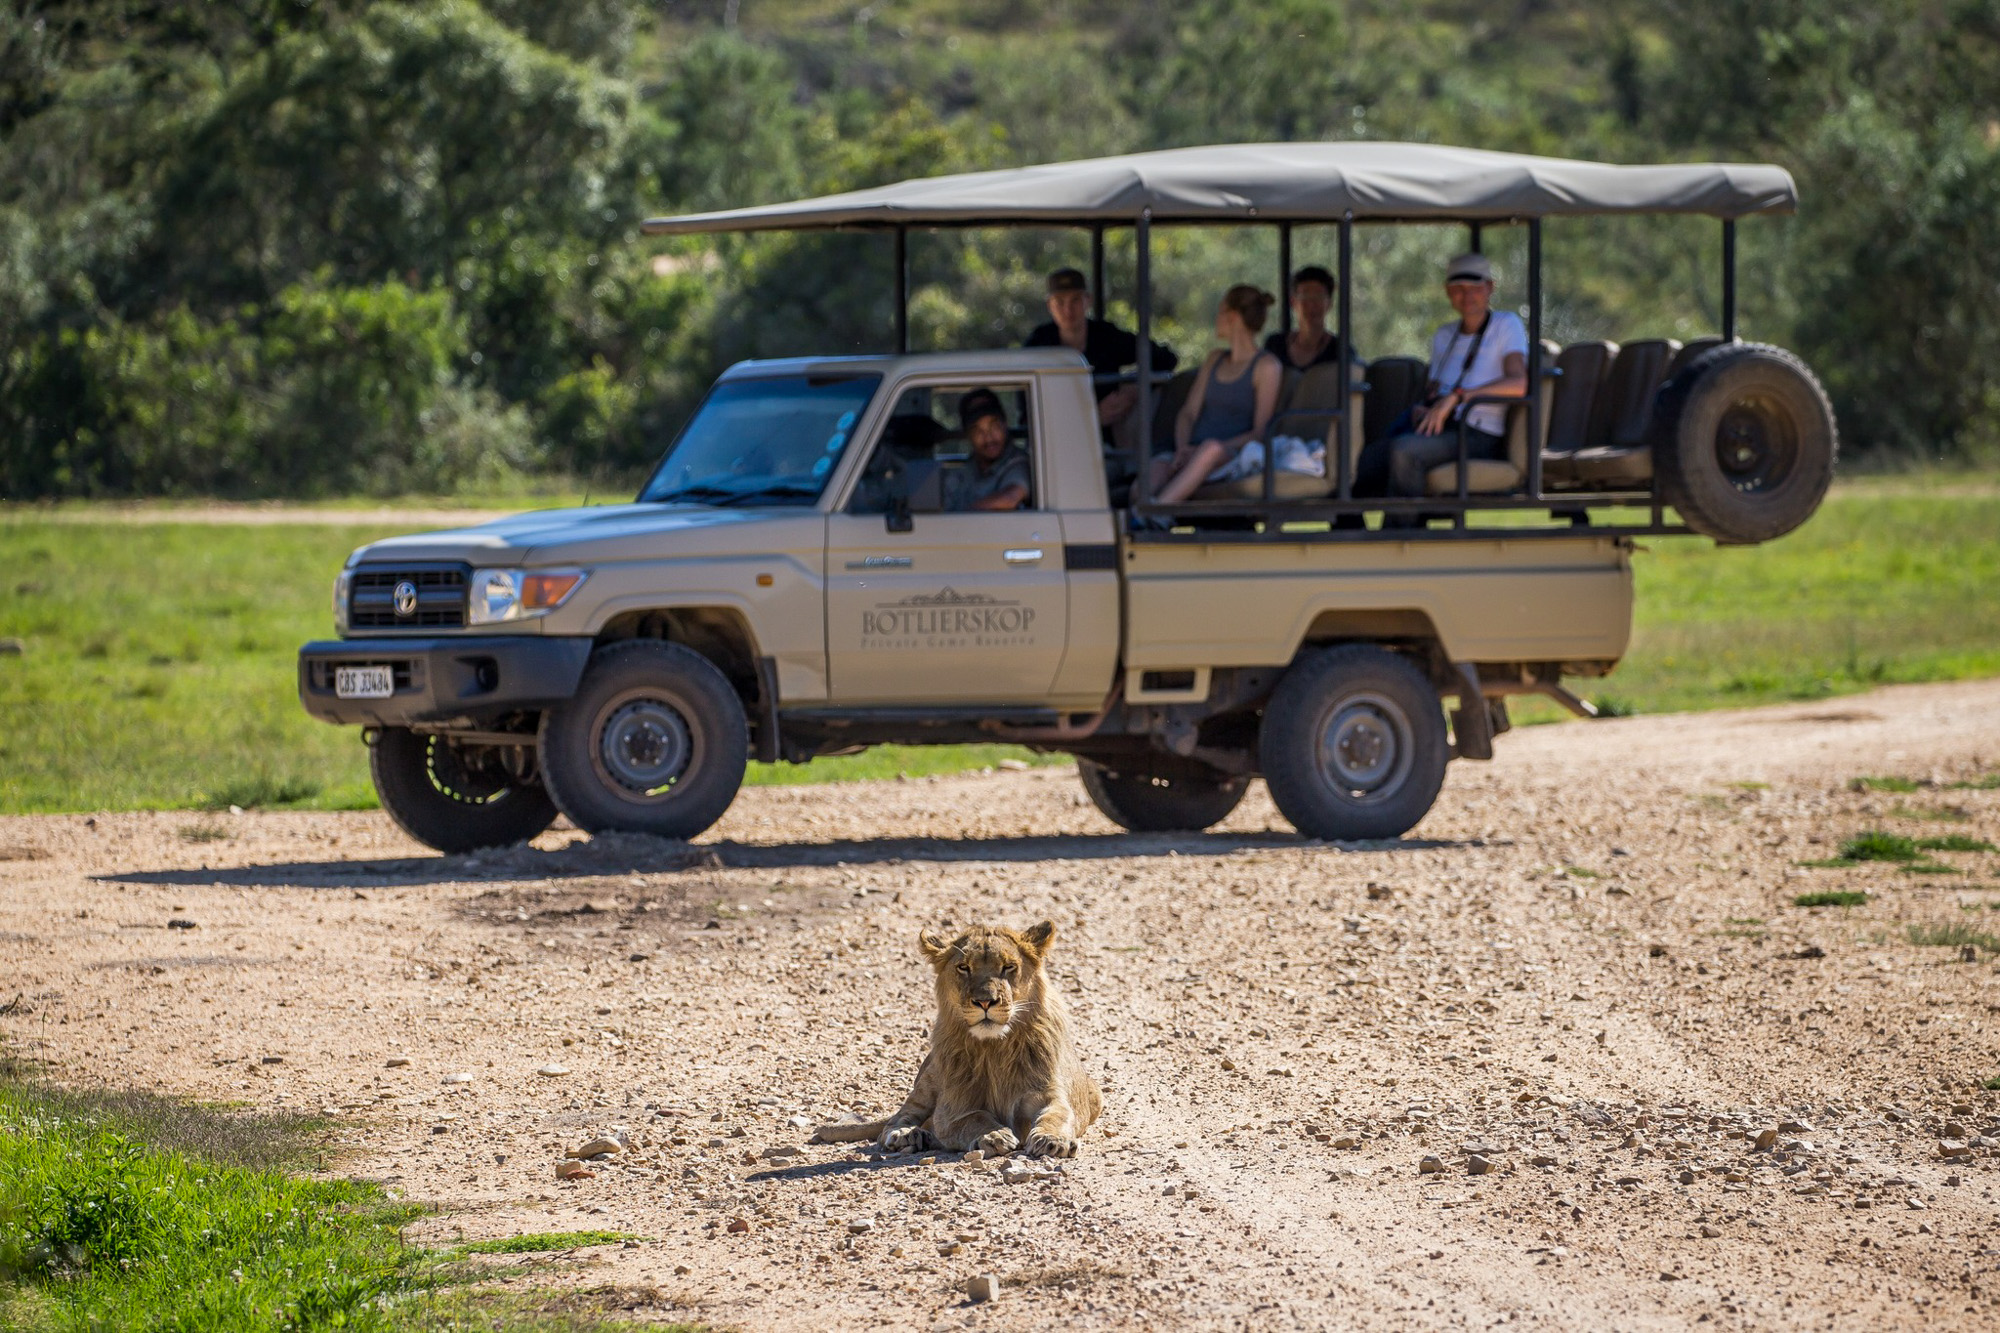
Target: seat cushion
{"x": 1484, "y": 476}
{"x": 1285, "y": 486}
{"x": 1601, "y": 465}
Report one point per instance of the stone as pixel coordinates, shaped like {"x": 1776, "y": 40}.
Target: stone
{"x": 1795, "y": 1127}
{"x": 570, "y": 1169}
{"x": 597, "y": 1147}
{"x": 1917, "y": 1205}
{"x": 452, "y": 1080}
{"x": 781, "y": 1153}
{"x": 1012, "y": 766}
{"x": 1951, "y": 1148}
{"x": 860, "y": 1226}
{"x": 1767, "y": 1139}
{"x": 1347, "y": 1141}
{"x": 552, "y": 1071}
{"x": 1953, "y": 1130}
{"x": 948, "y": 1248}
{"x": 1711, "y": 1232}
{"x": 738, "y": 1225}
{"x": 179, "y": 923}
{"x": 396, "y": 1061}
{"x": 975, "y": 1155}
{"x": 982, "y": 1289}
{"x": 1430, "y": 1165}
{"x": 1476, "y": 1165}
{"x": 12, "y": 647}
{"x": 1686, "y": 1177}
{"x": 1542, "y": 1159}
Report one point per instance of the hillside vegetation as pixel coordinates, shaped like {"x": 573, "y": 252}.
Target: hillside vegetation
{"x": 262, "y": 247}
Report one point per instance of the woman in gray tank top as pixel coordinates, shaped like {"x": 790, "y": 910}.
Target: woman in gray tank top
{"x": 1231, "y": 402}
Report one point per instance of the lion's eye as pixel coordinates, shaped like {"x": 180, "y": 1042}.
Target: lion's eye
{"x": 1007, "y": 971}
{"x": 963, "y": 968}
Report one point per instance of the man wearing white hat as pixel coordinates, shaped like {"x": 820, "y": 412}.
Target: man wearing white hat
{"x": 1483, "y": 354}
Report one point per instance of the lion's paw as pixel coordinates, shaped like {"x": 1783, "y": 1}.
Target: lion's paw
{"x": 1048, "y": 1145}
{"x": 907, "y": 1138}
{"x": 996, "y": 1142}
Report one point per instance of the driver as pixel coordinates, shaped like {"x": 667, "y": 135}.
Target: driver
{"x": 997, "y": 477}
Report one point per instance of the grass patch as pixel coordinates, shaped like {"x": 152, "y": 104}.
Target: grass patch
{"x": 122, "y": 1211}
{"x": 1984, "y": 782}
{"x": 203, "y": 833}
{"x": 1581, "y": 872}
{"x": 159, "y": 664}
{"x": 1878, "y": 846}
{"x": 1832, "y": 898}
{"x": 1937, "y": 813}
{"x": 1751, "y": 784}
{"x": 1991, "y": 1084}
{"x": 1901, "y": 785}
{"x": 1951, "y": 935}
{"x": 1929, "y": 867}
{"x": 543, "y": 1241}
{"x": 1956, "y": 842}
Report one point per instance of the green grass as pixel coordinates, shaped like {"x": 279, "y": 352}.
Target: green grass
{"x": 1951, "y": 935}
{"x": 1894, "y": 784}
{"x": 1832, "y": 898}
{"x": 1934, "y": 813}
{"x": 1905, "y": 852}
{"x": 123, "y": 1211}
{"x": 1956, "y": 842}
{"x": 1991, "y": 1084}
{"x": 158, "y": 670}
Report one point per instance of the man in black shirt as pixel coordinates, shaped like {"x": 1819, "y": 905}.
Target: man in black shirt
{"x": 1108, "y": 348}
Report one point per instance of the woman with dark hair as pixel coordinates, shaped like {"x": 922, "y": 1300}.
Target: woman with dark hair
{"x": 1231, "y": 401}
{"x": 1310, "y": 343}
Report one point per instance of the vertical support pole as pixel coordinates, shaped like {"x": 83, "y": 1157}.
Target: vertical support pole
{"x": 1097, "y": 270}
{"x": 1535, "y": 358}
{"x": 1344, "y": 308}
{"x": 1285, "y": 277}
{"x": 1477, "y": 238}
{"x": 902, "y": 290}
{"x": 1142, "y": 446}
{"x": 1729, "y": 279}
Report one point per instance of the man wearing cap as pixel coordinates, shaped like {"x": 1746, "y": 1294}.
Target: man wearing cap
{"x": 998, "y": 475}
{"x": 1483, "y": 354}
{"x": 1108, "y": 348}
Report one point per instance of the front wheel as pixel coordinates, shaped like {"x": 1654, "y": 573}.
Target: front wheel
{"x": 1150, "y": 799}
{"x": 1353, "y": 744}
{"x": 456, "y": 798}
{"x": 654, "y": 741}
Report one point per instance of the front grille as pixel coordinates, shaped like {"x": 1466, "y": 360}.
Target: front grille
{"x": 371, "y": 596}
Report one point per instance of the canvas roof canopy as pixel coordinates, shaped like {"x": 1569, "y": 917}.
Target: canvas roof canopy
{"x": 1282, "y": 182}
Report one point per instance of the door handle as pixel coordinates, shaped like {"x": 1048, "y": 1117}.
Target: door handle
{"x": 1022, "y": 555}
{"x": 884, "y": 562}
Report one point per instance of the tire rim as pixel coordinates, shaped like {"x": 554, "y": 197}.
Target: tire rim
{"x": 642, "y": 746}
{"x": 468, "y": 784}
{"x": 1756, "y": 444}
{"x": 1367, "y": 748}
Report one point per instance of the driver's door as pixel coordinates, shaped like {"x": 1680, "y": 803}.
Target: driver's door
{"x": 963, "y": 606}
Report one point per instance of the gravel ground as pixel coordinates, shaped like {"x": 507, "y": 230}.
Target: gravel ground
{"x": 1656, "y": 1093}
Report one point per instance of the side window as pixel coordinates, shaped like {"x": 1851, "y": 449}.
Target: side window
{"x": 952, "y": 449}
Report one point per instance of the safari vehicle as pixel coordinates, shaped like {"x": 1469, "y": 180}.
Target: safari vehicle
{"x": 791, "y": 582}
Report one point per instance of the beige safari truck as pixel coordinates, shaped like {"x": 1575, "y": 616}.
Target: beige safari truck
{"x": 800, "y": 576}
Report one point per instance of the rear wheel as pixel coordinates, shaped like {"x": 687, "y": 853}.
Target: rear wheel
{"x": 1353, "y": 744}
{"x": 1745, "y": 442}
{"x": 1154, "y": 799}
{"x": 456, "y": 798}
{"x": 654, "y": 741}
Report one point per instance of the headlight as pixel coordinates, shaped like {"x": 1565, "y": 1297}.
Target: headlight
{"x": 516, "y": 594}
{"x": 341, "y": 584}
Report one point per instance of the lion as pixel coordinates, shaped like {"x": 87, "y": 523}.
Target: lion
{"x": 1001, "y": 1072}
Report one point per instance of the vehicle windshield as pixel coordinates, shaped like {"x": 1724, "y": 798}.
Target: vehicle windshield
{"x": 765, "y": 441}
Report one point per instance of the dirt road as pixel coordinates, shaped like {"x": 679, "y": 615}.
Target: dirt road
{"x": 1585, "y": 970}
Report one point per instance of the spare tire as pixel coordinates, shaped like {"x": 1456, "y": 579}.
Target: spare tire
{"x": 1744, "y": 442}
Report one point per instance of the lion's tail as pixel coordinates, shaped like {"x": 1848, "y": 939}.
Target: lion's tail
{"x": 850, "y": 1132}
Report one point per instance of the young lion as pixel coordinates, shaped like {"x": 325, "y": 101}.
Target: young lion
{"x": 1001, "y": 1070}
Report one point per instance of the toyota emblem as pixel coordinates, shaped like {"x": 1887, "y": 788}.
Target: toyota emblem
{"x": 406, "y": 598}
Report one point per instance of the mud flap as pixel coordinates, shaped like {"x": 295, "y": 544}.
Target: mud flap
{"x": 1471, "y": 723}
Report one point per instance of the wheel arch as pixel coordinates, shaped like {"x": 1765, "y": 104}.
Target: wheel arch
{"x": 720, "y": 633}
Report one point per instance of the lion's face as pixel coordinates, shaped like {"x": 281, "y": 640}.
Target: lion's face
{"x": 988, "y": 975}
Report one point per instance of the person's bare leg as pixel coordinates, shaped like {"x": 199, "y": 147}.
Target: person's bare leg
{"x": 1205, "y": 460}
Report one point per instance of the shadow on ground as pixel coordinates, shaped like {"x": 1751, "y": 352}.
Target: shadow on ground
{"x": 626, "y": 854}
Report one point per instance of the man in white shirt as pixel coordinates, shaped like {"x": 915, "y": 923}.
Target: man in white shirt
{"x": 1484, "y": 354}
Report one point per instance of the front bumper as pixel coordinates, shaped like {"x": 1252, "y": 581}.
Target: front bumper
{"x": 473, "y": 677}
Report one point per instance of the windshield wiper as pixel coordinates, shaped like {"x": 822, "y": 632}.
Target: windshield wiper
{"x": 709, "y": 493}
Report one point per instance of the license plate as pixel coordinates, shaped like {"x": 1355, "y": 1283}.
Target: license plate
{"x": 363, "y": 682}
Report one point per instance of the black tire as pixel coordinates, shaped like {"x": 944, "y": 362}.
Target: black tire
{"x": 1160, "y": 798}
{"x": 444, "y": 796}
{"x": 654, "y": 741}
{"x": 1353, "y": 744}
{"x": 1744, "y": 442}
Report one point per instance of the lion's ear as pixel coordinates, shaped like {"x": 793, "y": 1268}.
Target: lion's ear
{"x": 1038, "y": 937}
{"x": 934, "y": 945}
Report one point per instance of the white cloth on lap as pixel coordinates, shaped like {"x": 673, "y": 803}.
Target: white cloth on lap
{"x": 1306, "y": 457}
